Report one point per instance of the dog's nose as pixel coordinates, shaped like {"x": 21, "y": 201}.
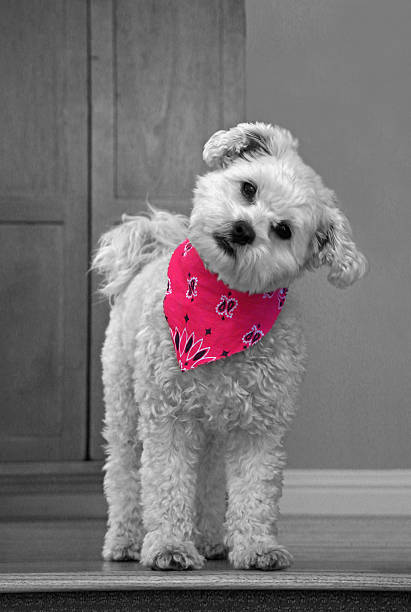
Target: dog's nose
{"x": 242, "y": 232}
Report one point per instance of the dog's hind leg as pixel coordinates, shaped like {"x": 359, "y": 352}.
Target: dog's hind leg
{"x": 211, "y": 499}
{"x": 122, "y": 469}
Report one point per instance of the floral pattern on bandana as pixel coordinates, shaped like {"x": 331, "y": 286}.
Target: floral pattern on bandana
{"x": 207, "y": 319}
{"x": 191, "y": 292}
{"x": 282, "y": 294}
{"x": 190, "y": 352}
{"x": 226, "y": 306}
{"x": 254, "y": 335}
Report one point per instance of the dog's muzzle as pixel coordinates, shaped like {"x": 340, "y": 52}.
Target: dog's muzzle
{"x": 242, "y": 232}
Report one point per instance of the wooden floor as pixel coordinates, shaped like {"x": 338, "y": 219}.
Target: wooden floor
{"x": 330, "y": 553}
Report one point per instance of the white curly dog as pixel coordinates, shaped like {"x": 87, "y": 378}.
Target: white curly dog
{"x": 194, "y": 458}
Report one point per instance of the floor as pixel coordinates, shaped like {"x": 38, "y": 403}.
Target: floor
{"x": 329, "y": 552}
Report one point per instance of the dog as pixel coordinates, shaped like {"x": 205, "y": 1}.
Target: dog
{"x": 195, "y": 454}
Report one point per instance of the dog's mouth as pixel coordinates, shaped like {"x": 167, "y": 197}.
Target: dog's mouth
{"x": 224, "y": 244}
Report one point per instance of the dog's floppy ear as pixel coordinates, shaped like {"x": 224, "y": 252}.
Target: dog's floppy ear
{"x": 246, "y": 139}
{"x": 333, "y": 245}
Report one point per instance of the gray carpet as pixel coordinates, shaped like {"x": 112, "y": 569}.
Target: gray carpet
{"x": 210, "y": 601}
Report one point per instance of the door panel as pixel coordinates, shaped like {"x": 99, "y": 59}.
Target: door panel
{"x": 164, "y": 107}
{"x": 165, "y": 76}
{"x": 43, "y": 229}
{"x": 31, "y": 289}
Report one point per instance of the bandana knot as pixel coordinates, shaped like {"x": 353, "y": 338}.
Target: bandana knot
{"x": 207, "y": 319}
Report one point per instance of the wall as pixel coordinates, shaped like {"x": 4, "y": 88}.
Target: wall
{"x": 338, "y": 75}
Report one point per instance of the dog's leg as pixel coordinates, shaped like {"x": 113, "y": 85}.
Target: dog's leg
{"x": 254, "y": 477}
{"x": 125, "y": 532}
{"x": 211, "y": 499}
{"x": 168, "y": 476}
{"x": 122, "y": 477}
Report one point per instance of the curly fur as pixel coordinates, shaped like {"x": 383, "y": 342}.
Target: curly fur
{"x": 246, "y": 139}
{"x": 126, "y": 249}
{"x": 177, "y": 442}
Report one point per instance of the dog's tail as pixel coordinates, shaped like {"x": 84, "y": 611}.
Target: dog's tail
{"x": 124, "y": 250}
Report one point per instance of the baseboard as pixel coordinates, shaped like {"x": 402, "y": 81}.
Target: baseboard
{"x": 75, "y": 491}
{"x": 51, "y": 490}
{"x": 347, "y": 492}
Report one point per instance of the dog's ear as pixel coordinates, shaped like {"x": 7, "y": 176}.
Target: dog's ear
{"x": 246, "y": 140}
{"x": 333, "y": 245}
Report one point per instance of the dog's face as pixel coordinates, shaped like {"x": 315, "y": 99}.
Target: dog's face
{"x": 261, "y": 216}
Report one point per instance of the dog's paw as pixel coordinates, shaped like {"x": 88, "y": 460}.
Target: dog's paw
{"x": 121, "y": 552}
{"x": 276, "y": 559}
{"x": 213, "y": 552}
{"x": 170, "y": 554}
{"x": 176, "y": 560}
{"x": 267, "y": 558}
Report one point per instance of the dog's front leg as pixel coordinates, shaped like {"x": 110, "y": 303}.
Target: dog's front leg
{"x": 168, "y": 477}
{"x": 211, "y": 499}
{"x": 254, "y": 476}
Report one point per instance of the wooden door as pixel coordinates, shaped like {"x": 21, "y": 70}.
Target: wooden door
{"x": 166, "y": 74}
{"x": 43, "y": 229}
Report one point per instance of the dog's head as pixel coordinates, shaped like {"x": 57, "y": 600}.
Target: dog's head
{"x": 262, "y": 216}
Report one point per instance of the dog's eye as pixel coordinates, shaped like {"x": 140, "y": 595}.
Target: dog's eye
{"x": 282, "y": 230}
{"x": 248, "y": 190}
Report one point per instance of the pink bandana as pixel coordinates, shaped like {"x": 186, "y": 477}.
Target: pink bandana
{"x": 207, "y": 319}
